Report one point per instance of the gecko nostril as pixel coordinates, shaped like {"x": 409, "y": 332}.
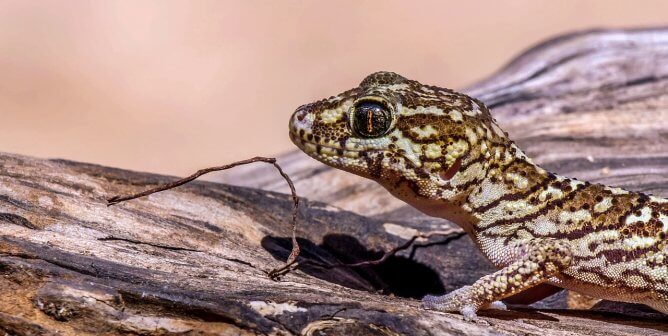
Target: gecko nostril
{"x": 300, "y": 113}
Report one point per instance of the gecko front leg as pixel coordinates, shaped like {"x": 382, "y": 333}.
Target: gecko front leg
{"x": 543, "y": 259}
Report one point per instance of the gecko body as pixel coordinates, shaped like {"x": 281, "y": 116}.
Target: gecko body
{"x": 443, "y": 153}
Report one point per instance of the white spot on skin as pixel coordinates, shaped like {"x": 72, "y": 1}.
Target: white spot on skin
{"x": 603, "y": 205}
{"x": 516, "y": 205}
{"x": 331, "y": 116}
{"x": 353, "y": 144}
{"x": 471, "y": 136}
{"x": 664, "y": 220}
{"x": 456, "y": 115}
{"x": 424, "y": 132}
{"x": 397, "y": 87}
{"x": 657, "y": 273}
{"x": 575, "y": 183}
{"x": 503, "y": 210}
{"x": 455, "y": 150}
{"x": 575, "y": 216}
{"x": 432, "y": 166}
{"x": 637, "y": 242}
{"x": 483, "y": 148}
{"x": 308, "y": 120}
{"x": 581, "y": 246}
{"x": 351, "y": 154}
{"x": 421, "y": 110}
{"x": 617, "y": 191}
{"x": 635, "y": 281}
{"x": 645, "y": 215}
{"x": 554, "y": 192}
{"x": 595, "y": 262}
{"x": 400, "y": 231}
{"x": 543, "y": 226}
{"x": 328, "y": 151}
{"x": 480, "y": 131}
{"x": 273, "y": 308}
{"x": 409, "y": 154}
{"x": 520, "y": 181}
{"x": 433, "y": 151}
{"x": 368, "y": 144}
{"x": 489, "y": 192}
{"x": 489, "y": 133}
{"x": 474, "y": 111}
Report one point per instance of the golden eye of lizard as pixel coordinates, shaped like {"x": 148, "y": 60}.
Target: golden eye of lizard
{"x": 443, "y": 153}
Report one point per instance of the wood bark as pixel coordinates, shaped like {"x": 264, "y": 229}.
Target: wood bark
{"x": 194, "y": 260}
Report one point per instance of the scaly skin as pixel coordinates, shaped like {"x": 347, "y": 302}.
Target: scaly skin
{"x": 443, "y": 153}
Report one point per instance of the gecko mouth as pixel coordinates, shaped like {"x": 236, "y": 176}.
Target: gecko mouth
{"x": 316, "y": 149}
{"x": 312, "y": 147}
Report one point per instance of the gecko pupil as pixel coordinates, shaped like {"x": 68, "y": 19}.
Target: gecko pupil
{"x": 371, "y": 119}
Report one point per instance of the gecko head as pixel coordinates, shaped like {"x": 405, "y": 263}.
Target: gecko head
{"x": 414, "y": 139}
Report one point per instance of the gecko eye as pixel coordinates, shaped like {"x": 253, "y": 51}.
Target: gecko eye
{"x": 371, "y": 119}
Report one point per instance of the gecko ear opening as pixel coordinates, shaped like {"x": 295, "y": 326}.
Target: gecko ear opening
{"x": 447, "y": 174}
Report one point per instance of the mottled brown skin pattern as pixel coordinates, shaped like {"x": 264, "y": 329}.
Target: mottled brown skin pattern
{"x": 442, "y": 152}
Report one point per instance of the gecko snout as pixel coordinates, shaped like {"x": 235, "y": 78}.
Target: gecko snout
{"x": 299, "y": 123}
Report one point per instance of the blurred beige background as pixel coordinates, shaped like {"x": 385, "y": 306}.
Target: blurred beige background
{"x": 173, "y": 86}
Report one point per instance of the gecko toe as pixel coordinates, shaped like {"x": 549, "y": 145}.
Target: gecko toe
{"x": 456, "y": 301}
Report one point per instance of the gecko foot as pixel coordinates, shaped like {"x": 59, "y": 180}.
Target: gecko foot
{"x": 459, "y": 300}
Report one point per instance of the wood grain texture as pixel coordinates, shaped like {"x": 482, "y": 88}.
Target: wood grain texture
{"x": 194, "y": 260}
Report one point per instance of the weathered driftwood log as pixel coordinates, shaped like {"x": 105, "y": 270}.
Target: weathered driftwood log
{"x": 194, "y": 260}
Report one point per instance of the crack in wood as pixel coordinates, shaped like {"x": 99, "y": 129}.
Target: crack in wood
{"x": 134, "y": 241}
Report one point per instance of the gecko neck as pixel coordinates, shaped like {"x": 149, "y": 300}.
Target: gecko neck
{"x": 516, "y": 199}
{"x": 494, "y": 183}
{"x": 499, "y": 193}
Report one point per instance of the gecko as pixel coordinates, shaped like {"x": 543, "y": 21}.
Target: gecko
{"x": 443, "y": 153}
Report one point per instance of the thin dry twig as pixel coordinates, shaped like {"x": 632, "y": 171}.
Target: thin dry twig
{"x": 406, "y": 245}
{"x": 455, "y": 233}
{"x": 292, "y": 261}
{"x": 295, "y": 199}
